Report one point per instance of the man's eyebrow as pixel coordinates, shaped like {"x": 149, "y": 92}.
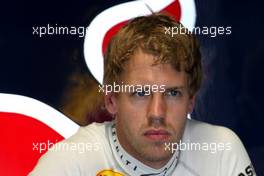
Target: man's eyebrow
{"x": 174, "y": 88}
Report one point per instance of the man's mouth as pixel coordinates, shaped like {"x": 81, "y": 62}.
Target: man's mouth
{"x": 157, "y": 135}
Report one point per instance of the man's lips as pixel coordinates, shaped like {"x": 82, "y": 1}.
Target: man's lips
{"x": 157, "y": 134}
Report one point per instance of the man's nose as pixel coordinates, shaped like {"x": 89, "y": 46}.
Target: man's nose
{"x": 157, "y": 106}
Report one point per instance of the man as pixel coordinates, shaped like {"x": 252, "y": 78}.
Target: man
{"x": 158, "y": 76}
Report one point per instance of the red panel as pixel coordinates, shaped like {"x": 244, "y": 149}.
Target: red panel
{"x": 174, "y": 9}
{"x": 19, "y": 134}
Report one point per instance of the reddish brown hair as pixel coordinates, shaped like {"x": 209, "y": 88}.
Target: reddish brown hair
{"x": 148, "y": 34}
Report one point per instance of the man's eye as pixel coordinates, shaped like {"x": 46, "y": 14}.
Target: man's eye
{"x": 173, "y": 93}
{"x": 140, "y": 94}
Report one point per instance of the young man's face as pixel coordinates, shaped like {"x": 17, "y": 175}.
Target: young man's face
{"x": 145, "y": 123}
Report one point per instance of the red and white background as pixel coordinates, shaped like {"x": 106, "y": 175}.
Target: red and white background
{"x": 33, "y": 70}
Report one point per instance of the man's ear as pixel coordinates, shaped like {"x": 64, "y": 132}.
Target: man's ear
{"x": 111, "y": 102}
{"x": 191, "y": 104}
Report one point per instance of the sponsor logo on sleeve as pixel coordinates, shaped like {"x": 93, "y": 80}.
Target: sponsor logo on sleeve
{"x": 109, "y": 173}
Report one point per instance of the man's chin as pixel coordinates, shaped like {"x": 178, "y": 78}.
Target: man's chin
{"x": 156, "y": 152}
{"x": 157, "y": 157}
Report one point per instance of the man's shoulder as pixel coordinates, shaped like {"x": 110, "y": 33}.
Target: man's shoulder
{"x": 89, "y": 139}
{"x": 91, "y": 132}
{"x": 217, "y": 145}
{"x": 83, "y": 152}
{"x": 198, "y": 129}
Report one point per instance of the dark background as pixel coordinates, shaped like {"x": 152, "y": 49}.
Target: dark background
{"x": 232, "y": 93}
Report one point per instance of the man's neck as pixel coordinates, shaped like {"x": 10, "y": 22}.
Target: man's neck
{"x": 131, "y": 151}
{"x": 133, "y": 165}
